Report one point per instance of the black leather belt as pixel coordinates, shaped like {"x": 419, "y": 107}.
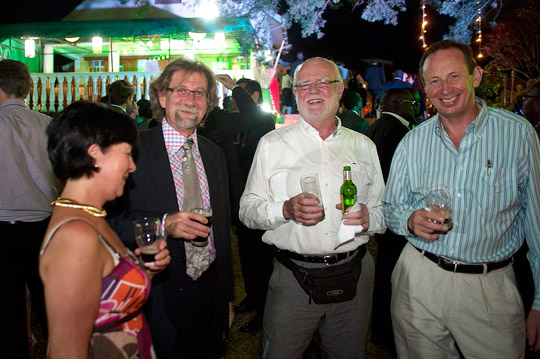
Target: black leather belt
{"x": 458, "y": 267}
{"x": 328, "y": 259}
{"x": 11, "y": 222}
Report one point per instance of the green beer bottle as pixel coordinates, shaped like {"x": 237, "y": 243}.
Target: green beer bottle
{"x": 347, "y": 190}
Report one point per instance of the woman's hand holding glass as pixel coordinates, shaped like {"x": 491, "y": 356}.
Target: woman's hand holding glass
{"x": 152, "y": 247}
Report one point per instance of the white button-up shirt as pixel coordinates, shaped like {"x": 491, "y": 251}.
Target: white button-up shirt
{"x": 286, "y": 154}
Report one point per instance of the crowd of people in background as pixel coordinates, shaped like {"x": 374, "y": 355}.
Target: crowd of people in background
{"x": 72, "y": 186}
{"x": 370, "y": 86}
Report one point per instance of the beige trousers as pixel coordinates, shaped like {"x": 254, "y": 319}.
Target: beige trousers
{"x": 434, "y": 310}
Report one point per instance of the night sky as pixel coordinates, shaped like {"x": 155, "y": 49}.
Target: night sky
{"x": 347, "y": 36}
{"x": 351, "y": 39}
{"x": 38, "y": 10}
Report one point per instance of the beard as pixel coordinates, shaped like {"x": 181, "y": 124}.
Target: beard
{"x": 187, "y": 118}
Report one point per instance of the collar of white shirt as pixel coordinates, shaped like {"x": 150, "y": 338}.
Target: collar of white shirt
{"x": 401, "y": 119}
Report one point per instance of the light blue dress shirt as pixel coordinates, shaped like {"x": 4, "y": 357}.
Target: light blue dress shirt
{"x": 493, "y": 181}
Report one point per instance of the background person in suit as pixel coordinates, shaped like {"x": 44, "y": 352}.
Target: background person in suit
{"x": 398, "y": 111}
{"x": 237, "y": 134}
{"x": 222, "y": 126}
{"x": 375, "y": 81}
{"x": 256, "y": 257}
{"x": 352, "y": 116}
{"x": 121, "y": 96}
{"x": 187, "y": 316}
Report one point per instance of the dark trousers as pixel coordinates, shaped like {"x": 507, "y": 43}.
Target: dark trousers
{"x": 257, "y": 261}
{"x": 187, "y": 324}
{"x": 525, "y": 283}
{"x": 20, "y": 243}
{"x": 389, "y": 247}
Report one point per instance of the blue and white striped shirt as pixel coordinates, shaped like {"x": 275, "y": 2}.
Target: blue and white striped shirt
{"x": 493, "y": 181}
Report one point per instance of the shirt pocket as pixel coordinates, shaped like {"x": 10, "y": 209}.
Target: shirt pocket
{"x": 496, "y": 191}
{"x": 283, "y": 184}
{"x": 362, "y": 178}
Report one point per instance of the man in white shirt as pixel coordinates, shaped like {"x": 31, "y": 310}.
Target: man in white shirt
{"x": 273, "y": 201}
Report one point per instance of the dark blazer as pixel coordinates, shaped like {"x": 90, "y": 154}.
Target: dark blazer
{"x": 351, "y": 120}
{"x": 222, "y": 127}
{"x": 150, "y": 191}
{"x": 386, "y": 133}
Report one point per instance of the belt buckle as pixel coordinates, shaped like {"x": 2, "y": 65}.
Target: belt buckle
{"x": 330, "y": 259}
{"x": 443, "y": 260}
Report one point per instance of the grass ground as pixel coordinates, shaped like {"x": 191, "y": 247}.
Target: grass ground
{"x": 245, "y": 345}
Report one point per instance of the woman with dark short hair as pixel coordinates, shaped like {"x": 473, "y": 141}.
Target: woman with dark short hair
{"x": 94, "y": 286}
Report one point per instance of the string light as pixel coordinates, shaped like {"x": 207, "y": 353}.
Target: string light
{"x": 479, "y": 30}
{"x": 424, "y": 24}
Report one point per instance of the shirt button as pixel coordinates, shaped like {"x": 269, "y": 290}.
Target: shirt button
{"x": 326, "y": 184}
{"x": 459, "y": 195}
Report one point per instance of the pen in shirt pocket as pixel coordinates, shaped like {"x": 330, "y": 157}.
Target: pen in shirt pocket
{"x": 488, "y": 167}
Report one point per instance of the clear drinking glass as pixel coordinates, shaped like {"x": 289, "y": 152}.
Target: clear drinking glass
{"x": 205, "y": 212}
{"x": 438, "y": 201}
{"x": 147, "y": 231}
{"x": 310, "y": 184}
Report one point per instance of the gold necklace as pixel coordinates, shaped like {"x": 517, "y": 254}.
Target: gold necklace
{"x": 64, "y": 202}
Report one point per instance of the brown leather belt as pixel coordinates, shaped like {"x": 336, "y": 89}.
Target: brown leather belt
{"x": 328, "y": 259}
{"x": 458, "y": 267}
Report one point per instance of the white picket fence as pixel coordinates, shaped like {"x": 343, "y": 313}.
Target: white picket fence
{"x": 54, "y": 91}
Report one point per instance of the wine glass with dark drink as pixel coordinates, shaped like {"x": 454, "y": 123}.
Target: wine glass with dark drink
{"x": 147, "y": 231}
{"x": 205, "y": 212}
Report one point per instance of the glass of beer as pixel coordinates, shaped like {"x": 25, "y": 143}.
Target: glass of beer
{"x": 147, "y": 231}
{"x": 205, "y": 212}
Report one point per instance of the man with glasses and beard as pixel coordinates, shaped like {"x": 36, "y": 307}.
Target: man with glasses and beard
{"x": 189, "y": 306}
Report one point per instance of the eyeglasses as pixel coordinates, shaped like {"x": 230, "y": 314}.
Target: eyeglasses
{"x": 529, "y": 96}
{"x": 184, "y": 92}
{"x": 321, "y": 84}
{"x": 412, "y": 102}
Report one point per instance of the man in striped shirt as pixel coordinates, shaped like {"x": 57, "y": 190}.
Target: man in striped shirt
{"x": 454, "y": 286}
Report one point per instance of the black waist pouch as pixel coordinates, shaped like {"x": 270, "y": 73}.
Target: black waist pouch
{"x": 332, "y": 284}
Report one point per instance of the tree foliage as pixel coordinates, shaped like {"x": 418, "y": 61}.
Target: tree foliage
{"x": 309, "y": 13}
{"x": 514, "y": 43}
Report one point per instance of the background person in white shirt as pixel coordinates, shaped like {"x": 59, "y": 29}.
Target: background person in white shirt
{"x": 273, "y": 201}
